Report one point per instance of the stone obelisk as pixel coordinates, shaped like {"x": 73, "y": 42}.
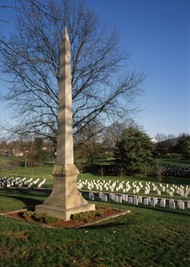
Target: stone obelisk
{"x": 65, "y": 198}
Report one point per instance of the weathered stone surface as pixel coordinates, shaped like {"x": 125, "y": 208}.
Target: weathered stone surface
{"x": 65, "y": 198}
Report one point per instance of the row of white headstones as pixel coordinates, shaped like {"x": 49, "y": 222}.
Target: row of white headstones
{"x": 134, "y": 187}
{"x": 21, "y": 182}
{"x": 136, "y": 200}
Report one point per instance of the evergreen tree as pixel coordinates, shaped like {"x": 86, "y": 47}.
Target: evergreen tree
{"x": 134, "y": 150}
{"x": 183, "y": 146}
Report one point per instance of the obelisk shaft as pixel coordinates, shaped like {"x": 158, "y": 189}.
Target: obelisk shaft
{"x": 65, "y": 198}
{"x": 65, "y": 136}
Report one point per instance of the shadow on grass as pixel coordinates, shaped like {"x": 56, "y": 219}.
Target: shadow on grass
{"x": 104, "y": 225}
{"x": 28, "y": 202}
{"x": 29, "y": 197}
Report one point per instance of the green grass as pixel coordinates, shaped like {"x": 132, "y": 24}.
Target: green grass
{"x": 14, "y": 199}
{"x": 146, "y": 237}
{"x": 40, "y": 171}
{"x": 143, "y": 238}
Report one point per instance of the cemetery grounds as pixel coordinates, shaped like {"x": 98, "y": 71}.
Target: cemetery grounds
{"x": 148, "y": 236}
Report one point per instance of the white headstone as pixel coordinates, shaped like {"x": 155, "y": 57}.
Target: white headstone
{"x": 146, "y": 201}
{"x": 91, "y": 196}
{"x": 140, "y": 199}
{"x": 172, "y": 204}
{"x": 130, "y": 200}
{"x": 163, "y": 202}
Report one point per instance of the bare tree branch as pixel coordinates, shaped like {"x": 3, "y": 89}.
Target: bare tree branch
{"x": 31, "y": 59}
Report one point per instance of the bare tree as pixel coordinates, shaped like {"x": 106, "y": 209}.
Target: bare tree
{"x": 160, "y": 137}
{"x": 111, "y": 133}
{"x": 30, "y": 58}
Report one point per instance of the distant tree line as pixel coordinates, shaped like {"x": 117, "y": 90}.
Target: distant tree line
{"x": 130, "y": 147}
{"x": 124, "y": 144}
{"x": 178, "y": 145}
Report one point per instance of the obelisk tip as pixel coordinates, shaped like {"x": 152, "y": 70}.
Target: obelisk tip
{"x": 66, "y": 36}
{"x": 65, "y": 31}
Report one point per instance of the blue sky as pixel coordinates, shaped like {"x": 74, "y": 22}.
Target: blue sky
{"x": 156, "y": 34}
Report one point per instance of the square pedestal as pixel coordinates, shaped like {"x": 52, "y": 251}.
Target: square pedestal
{"x": 65, "y": 198}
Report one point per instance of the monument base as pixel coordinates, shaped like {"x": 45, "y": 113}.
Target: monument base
{"x": 65, "y": 198}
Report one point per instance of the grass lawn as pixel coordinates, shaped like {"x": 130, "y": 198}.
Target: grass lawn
{"x": 43, "y": 171}
{"x": 146, "y": 237}
{"x": 14, "y": 199}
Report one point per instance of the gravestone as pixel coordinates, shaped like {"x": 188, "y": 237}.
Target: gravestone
{"x": 146, "y": 201}
{"x": 65, "y": 198}
{"x": 125, "y": 198}
{"x": 130, "y": 200}
{"x": 172, "y": 204}
{"x": 181, "y": 204}
{"x": 140, "y": 199}
{"x": 91, "y": 196}
{"x": 116, "y": 198}
{"x": 153, "y": 202}
{"x": 135, "y": 200}
{"x": 163, "y": 202}
{"x": 120, "y": 199}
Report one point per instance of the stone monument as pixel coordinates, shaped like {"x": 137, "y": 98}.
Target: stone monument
{"x": 65, "y": 198}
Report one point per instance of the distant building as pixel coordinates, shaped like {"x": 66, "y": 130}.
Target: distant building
{"x": 18, "y": 153}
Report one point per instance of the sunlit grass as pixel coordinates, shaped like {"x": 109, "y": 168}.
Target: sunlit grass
{"x": 39, "y": 171}
{"x": 143, "y": 238}
{"x": 147, "y": 237}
